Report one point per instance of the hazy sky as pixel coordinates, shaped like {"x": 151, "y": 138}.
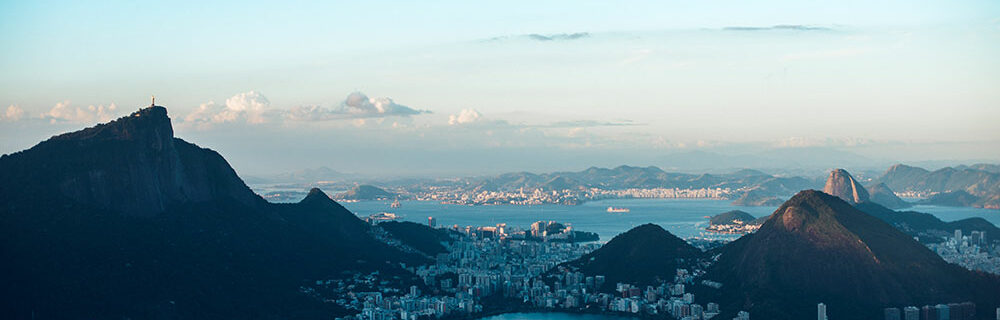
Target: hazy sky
{"x": 461, "y": 87}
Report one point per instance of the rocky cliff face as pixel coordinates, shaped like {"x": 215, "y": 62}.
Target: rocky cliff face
{"x": 842, "y": 185}
{"x": 132, "y": 165}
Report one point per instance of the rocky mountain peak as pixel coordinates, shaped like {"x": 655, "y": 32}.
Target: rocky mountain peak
{"x": 132, "y": 165}
{"x": 841, "y": 184}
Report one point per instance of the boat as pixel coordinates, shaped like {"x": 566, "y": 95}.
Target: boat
{"x": 395, "y": 204}
{"x": 618, "y": 210}
{"x": 381, "y": 217}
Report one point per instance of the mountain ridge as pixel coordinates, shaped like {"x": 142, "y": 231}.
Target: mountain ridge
{"x": 123, "y": 220}
{"x": 818, "y": 248}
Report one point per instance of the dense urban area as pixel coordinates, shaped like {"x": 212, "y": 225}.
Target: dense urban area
{"x": 496, "y": 269}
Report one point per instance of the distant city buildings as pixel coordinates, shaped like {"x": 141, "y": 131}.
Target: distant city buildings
{"x": 523, "y": 196}
{"x": 520, "y": 265}
{"x": 492, "y": 261}
{"x": 951, "y": 311}
{"x": 972, "y": 251}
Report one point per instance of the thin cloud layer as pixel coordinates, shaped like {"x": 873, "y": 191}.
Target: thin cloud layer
{"x": 789, "y": 27}
{"x": 558, "y": 36}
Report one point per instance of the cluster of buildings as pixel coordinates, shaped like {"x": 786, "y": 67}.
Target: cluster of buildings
{"x": 519, "y": 197}
{"x": 971, "y": 251}
{"x": 502, "y": 264}
{"x": 951, "y": 311}
{"x": 534, "y": 196}
{"x": 737, "y": 227}
{"x": 668, "y": 193}
{"x": 478, "y": 264}
{"x": 515, "y": 275}
{"x": 573, "y": 291}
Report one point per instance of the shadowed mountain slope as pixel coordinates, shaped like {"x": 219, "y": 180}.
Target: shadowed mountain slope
{"x": 122, "y": 220}
{"x": 881, "y": 194}
{"x": 641, "y": 256}
{"x": 818, "y": 248}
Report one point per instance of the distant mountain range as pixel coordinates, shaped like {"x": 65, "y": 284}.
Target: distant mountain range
{"x": 123, "y": 220}
{"x": 976, "y": 185}
{"x": 366, "y": 192}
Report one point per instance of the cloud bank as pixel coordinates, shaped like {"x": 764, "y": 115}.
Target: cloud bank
{"x": 64, "y": 112}
{"x": 254, "y": 108}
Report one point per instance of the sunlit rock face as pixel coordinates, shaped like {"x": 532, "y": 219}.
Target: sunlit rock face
{"x": 842, "y": 185}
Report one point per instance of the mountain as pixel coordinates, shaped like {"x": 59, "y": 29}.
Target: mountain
{"x": 641, "y": 256}
{"x": 367, "y": 192}
{"x": 772, "y": 191}
{"x": 981, "y": 181}
{"x": 959, "y": 198}
{"x": 842, "y": 185}
{"x": 757, "y": 198}
{"x": 123, "y": 220}
{"x": 818, "y": 248}
{"x": 927, "y": 227}
{"x": 730, "y": 217}
{"x": 621, "y": 177}
{"x": 421, "y": 237}
{"x": 881, "y": 194}
{"x": 988, "y": 167}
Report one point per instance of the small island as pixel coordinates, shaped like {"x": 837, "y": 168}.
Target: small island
{"x": 734, "y": 222}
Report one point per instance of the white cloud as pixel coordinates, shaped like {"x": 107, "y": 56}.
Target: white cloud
{"x": 360, "y": 105}
{"x": 13, "y": 113}
{"x": 250, "y": 105}
{"x": 206, "y": 114}
{"x": 464, "y": 117}
{"x": 64, "y": 112}
{"x": 357, "y": 105}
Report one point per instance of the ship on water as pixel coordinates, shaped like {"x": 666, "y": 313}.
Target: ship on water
{"x": 395, "y": 204}
{"x": 617, "y": 210}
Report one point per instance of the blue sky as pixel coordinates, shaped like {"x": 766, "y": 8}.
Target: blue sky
{"x": 458, "y": 87}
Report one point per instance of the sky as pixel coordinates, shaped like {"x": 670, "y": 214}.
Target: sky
{"x": 446, "y": 88}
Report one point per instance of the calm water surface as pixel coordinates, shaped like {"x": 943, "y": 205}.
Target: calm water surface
{"x": 682, "y": 217}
